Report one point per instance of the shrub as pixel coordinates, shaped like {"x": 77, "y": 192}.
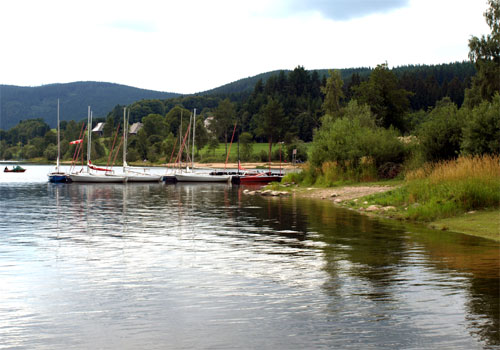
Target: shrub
{"x": 355, "y": 145}
{"x": 441, "y": 134}
{"x": 481, "y": 132}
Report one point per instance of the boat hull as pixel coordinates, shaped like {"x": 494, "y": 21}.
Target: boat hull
{"x": 259, "y": 179}
{"x": 57, "y": 177}
{"x": 97, "y": 178}
{"x": 202, "y": 178}
{"x": 144, "y": 178}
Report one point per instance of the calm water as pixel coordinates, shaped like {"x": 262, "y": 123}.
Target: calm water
{"x": 196, "y": 266}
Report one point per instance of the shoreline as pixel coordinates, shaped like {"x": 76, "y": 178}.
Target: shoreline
{"x": 474, "y": 223}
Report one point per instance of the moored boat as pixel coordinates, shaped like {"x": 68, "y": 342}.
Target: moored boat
{"x": 15, "y": 169}
{"x": 201, "y": 177}
{"x": 96, "y": 178}
{"x": 260, "y": 178}
{"x": 90, "y": 174}
{"x": 58, "y": 175}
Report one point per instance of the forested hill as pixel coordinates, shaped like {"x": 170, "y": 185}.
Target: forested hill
{"x": 411, "y": 75}
{"x": 21, "y": 103}
{"x": 428, "y": 84}
{"x": 246, "y": 85}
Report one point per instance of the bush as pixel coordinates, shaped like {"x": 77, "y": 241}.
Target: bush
{"x": 263, "y": 156}
{"x": 246, "y": 146}
{"x": 301, "y": 148}
{"x": 481, "y": 132}
{"x": 132, "y": 155}
{"x": 441, "y": 134}
{"x": 352, "y": 147}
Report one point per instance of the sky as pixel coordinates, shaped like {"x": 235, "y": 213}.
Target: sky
{"x": 189, "y": 46}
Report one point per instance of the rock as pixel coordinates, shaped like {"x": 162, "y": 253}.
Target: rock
{"x": 266, "y": 193}
{"x": 334, "y": 195}
{"x": 471, "y": 212}
{"x": 284, "y": 193}
{"x": 251, "y": 193}
{"x": 338, "y": 200}
{"x": 365, "y": 202}
{"x": 275, "y": 193}
{"x": 246, "y": 191}
{"x": 373, "y": 208}
{"x": 389, "y": 207}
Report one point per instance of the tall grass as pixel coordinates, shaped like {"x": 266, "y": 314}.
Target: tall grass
{"x": 448, "y": 188}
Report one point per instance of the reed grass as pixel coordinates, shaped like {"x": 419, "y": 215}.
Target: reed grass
{"x": 448, "y": 188}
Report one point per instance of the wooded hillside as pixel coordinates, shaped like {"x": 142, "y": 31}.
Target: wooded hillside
{"x": 21, "y": 103}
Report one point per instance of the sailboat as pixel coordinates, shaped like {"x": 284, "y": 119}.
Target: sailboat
{"x": 58, "y": 175}
{"x": 191, "y": 176}
{"x": 89, "y": 175}
{"x": 134, "y": 175}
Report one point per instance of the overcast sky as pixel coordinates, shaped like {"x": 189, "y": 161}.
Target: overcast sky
{"x": 188, "y": 46}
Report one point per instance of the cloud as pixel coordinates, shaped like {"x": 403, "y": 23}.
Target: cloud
{"x": 342, "y": 10}
{"x": 135, "y": 26}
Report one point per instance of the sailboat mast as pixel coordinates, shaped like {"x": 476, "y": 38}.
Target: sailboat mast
{"x": 89, "y": 131}
{"x": 194, "y": 128}
{"x": 58, "y": 139}
{"x": 180, "y": 143}
{"x": 124, "y": 138}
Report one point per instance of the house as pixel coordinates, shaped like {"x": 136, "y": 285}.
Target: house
{"x": 98, "y": 129}
{"x": 207, "y": 122}
{"x": 134, "y": 129}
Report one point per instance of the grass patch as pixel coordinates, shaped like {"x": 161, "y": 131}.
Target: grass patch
{"x": 483, "y": 223}
{"x": 446, "y": 189}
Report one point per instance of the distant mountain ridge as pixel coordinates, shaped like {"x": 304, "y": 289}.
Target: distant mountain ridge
{"x": 21, "y": 103}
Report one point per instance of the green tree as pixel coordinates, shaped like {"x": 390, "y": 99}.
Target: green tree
{"x": 333, "y": 93}
{"x": 387, "y": 101}
{"x": 246, "y": 141}
{"x": 155, "y": 124}
{"x": 109, "y": 126}
{"x": 50, "y": 152}
{"x": 224, "y": 117}
{"x": 485, "y": 53}
{"x": 173, "y": 119}
{"x": 440, "y": 135}
{"x": 349, "y": 139}
{"x": 481, "y": 132}
{"x": 272, "y": 121}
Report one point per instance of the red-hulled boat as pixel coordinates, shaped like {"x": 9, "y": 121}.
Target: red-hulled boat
{"x": 260, "y": 177}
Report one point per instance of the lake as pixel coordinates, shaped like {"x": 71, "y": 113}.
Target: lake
{"x": 203, "y": 266}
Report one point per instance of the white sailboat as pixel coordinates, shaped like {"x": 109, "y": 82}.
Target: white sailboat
{"x": 191, "y": 176}
{"x": 134, "y": 174}
{"x": 58, "y": 175}
{"x": 90, "y": 175}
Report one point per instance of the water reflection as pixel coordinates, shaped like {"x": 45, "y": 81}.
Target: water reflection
{"x": 204, "y": 266}
{"x": 399, "y": 266}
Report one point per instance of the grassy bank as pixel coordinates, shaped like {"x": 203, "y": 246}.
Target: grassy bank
{"x": 461, "y": 195}
{"x": 448, "y": 195}
{"x": 447, "y": 189}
